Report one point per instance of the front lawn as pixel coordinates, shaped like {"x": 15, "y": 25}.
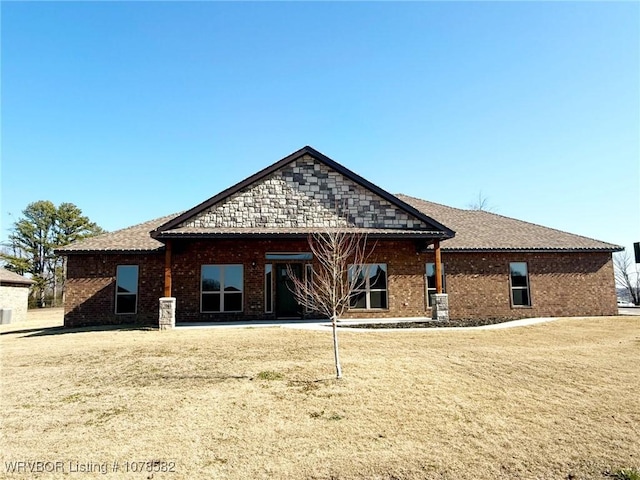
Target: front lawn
{"x": 552, "y": 401}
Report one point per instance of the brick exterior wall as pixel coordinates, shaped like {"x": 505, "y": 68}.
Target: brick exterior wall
{"x": 305, "y": 193}
{"x": 404, "y": 266}
{"x": 15, "y": 298}
{"x": 89, "y": 297}
{"x": 569, "y": 284}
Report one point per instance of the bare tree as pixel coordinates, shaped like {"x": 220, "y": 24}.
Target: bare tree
{"x": 482, "y": 203}
{"x": 627, "y": 275}
{"x": 337, "y": 272}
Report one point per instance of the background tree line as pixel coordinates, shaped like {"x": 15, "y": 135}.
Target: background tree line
{"x": 33, "y": 239}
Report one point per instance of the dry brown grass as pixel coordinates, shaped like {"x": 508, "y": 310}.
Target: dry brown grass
{"x": 552, "y": 401}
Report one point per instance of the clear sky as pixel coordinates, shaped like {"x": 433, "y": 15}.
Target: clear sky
{"x": 135, "y": 110}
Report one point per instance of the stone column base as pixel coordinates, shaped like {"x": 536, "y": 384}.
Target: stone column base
{"x": 167, "y": 319}
{"x": 440, "y": 307}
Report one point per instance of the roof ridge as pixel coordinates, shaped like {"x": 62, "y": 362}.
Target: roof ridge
{"x": 137, "y": 225}
{"x": 432, "y": 202}
{"x": 148, "y": 221}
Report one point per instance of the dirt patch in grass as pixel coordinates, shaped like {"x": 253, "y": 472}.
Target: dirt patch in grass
{"x": 551, "y": 401}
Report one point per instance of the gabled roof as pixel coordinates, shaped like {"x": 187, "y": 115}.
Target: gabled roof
{"x": 478, "y": 230}
{"x": 475, "y": 230}
{"x": 179, "y": 226}
{"x": 7, "y": 277}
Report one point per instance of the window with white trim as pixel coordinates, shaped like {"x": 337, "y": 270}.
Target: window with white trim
{"x": 519, "y": 279}
{"x": 370, "y": 290}
{"x": 126, "y": 289}
{"x": 221, "y": 288}
{"x": 430, "y": 275}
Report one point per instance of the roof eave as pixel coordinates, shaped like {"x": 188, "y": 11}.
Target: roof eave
{"x": 10, "y": 283}
{"x": 533, "y": 250}
{"x": 109, "y": 251}
{"x": 430, "y": 235}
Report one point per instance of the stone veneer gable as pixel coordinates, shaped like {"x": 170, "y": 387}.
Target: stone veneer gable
{"x": 305, "y": 193}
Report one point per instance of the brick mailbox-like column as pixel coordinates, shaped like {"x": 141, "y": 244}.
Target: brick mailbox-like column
{"x": 167, "y": 319}
{"x": 440, "y": 307}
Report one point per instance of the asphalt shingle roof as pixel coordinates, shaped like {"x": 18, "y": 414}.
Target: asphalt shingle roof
{"x": 7, "y": 277}
{"x": 131, "y": 239}
{"x": 475, "y": 231}
{"x": 480, "y": 230}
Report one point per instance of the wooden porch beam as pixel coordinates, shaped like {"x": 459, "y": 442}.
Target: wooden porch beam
{"x": 436, "y": 248}
{"x": 167, "y": 269}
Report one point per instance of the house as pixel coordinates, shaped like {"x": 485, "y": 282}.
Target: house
{"x": 226, "y": 258}
{"x": 14, "y": 296}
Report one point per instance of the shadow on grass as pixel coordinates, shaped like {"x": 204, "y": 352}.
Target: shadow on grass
{"x": 60, "y": 330}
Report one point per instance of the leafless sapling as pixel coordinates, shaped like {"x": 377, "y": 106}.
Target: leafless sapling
{"x": 339, "y": 257}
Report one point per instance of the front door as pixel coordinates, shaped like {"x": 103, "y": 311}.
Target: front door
{"x": 286, "y": 304}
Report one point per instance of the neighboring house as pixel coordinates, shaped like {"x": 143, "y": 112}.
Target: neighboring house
{"x": 14, "y": 296}
{"x": 226, "y": 258}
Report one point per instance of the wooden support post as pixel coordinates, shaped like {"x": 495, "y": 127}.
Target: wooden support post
{"x": 436, "y": 247}
{"x": 167, "y": 269}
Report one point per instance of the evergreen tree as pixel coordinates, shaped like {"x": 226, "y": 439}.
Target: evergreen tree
{"x": 34, "y": 238}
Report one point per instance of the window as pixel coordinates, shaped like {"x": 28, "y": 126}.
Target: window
{"x": 126, "y": 289}
{"x": 431, "y": 281}
{"x": 268, "y": 288}
{"x": 370, "y": 290}
{"x": 221, "y": 288}
{"x": 519, "y": 284}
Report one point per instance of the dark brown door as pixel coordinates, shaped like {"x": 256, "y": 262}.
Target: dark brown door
{"x": 286, "y": 304}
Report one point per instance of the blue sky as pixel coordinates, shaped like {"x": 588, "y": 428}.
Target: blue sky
{"x": 135, "y": 110}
